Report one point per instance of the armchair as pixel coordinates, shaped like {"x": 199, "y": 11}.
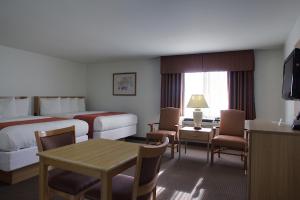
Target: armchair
{"x": 232, "y": 135}
{"x": 167, "y": 127}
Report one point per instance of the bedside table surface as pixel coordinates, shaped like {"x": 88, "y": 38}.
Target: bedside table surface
{"x": 202, "y": 130}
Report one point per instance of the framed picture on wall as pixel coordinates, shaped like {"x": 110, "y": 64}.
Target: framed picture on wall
{"x": 124, "y": 84}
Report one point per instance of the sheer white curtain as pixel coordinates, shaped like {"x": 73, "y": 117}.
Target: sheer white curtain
{"x": 214, "y": 87}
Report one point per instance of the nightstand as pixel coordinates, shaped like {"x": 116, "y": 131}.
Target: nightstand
{"x": 202, "y": 135}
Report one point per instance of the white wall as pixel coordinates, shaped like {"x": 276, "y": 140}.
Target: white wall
{"x": 293, "y": 38}
{"x": 267, "y": 84}
{"x": 146, "y": 104}
{"x": 29, "y": 74}
{"x": 292, "y": 107}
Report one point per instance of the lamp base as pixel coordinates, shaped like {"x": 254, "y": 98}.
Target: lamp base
{"x": 197, "y": 115}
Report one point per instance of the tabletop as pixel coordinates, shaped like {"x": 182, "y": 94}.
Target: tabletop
{"x": 97, "y": 154}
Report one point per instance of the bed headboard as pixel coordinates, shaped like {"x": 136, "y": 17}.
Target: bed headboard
{"x": 37, "y": 111}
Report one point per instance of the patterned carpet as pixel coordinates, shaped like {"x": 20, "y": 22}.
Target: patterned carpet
{"x": 188, "y": 178}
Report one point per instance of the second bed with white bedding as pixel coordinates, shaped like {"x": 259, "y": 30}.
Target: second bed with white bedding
{"x": 105, "y": 123}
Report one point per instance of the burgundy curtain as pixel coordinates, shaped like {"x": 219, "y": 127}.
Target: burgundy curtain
{"x": 172, "y": 90}
{"x": 241, "y": 92}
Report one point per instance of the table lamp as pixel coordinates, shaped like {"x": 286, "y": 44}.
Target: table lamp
{"x": 197, "y": 101}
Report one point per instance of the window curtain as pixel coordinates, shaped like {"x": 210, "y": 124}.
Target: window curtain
{"x": 241, "y": 92}
{"x": 172, "y": 90}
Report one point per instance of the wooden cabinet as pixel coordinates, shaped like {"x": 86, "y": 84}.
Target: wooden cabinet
{"x": 274, "y": 158}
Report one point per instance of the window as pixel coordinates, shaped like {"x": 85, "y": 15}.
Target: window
{"x": 214, "y": 87}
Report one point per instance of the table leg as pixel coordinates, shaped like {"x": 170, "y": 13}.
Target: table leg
{"x": 207, "y": 158}
{"x": 179, "y": 149}
{"x": 185, "y": 147}
{"x": 43, "y": 180}
{"x": 106, "y": 187}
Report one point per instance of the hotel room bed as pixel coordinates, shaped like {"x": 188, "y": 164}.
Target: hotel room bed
{"x": 18, "y": 147}
{"x": 102, "y": 124}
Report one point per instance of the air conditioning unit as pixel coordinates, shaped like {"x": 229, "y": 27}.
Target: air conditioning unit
{"x": 206, "y": 123}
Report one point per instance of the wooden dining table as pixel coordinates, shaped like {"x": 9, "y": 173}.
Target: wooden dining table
{"x": 98, "y": 158}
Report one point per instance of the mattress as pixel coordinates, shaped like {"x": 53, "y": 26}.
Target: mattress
{"x": 117, "y": 133}
{"x": 13, "y": 160}
{"x": 18, "y": 137}
{"x": 104, "y": 123}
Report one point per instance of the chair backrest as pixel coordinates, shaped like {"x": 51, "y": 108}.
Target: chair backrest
{"x": 169, "y": 117}
{"x": 46, "y": 140}
{"x": 232, "y": 122}
{"x": 147, "y": 169}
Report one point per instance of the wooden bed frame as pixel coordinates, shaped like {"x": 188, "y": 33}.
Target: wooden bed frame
{"x": 36, "y": 100}
{"x": 19, "y": 175}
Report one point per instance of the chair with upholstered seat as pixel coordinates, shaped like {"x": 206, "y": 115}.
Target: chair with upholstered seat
{"x": 167, "y": 126}
{"x": 232, "y": 135}
{"x": 143, "y": 185}
{"x": 69, "y": 185}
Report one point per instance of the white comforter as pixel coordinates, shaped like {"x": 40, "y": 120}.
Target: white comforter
{"x": 17, "y": 137}
{"x": 104, "y": 123}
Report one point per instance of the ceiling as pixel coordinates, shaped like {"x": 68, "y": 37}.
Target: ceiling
{"x": 88, "y": 31}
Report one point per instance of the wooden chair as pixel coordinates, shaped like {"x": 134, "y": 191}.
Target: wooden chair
{"x": 167, "y": 127}
{"x": 69, "y": 185}
{"x": 232, "y": 135}
{"x": 143, "y": 185}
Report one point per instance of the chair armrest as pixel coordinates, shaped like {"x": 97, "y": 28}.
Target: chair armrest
{"x": 152, "y": 126}
{"x": 246, "y": 134}
{"x": 177, "y": 131}
{"x": 214, "y": 129}
{"x": 177, "y": 126}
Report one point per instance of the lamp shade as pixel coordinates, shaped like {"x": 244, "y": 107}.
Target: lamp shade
{"x": 197, "y": 101}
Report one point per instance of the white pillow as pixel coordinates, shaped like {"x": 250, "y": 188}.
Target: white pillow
{"x": 65, "y": 105}
{"x": 81, "y": 105}
{"x": 22, "y": 107}
{"x": 7, "y": 107}
{"x": 50, "y": 106}
{"x": 74, "y": 105}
